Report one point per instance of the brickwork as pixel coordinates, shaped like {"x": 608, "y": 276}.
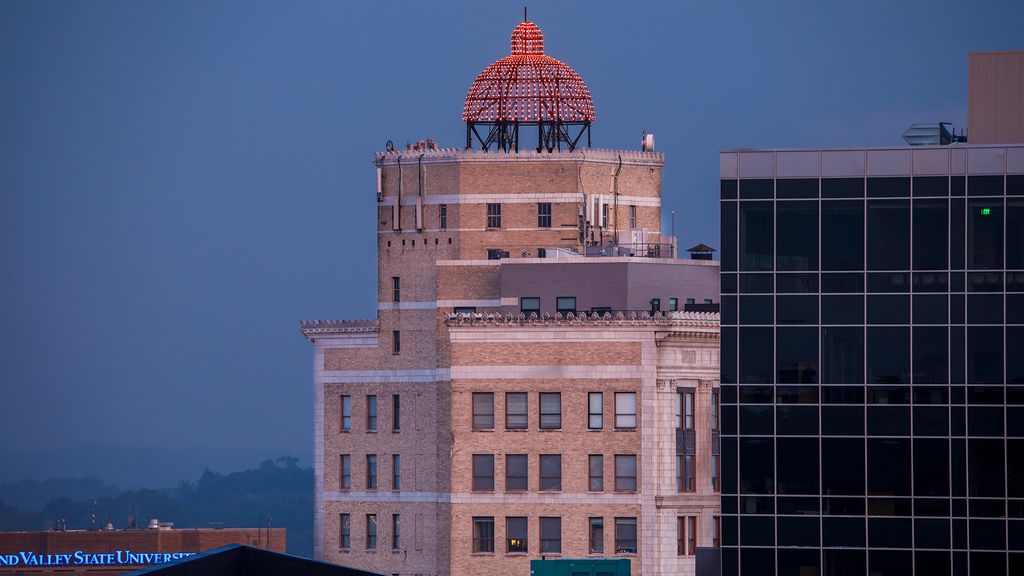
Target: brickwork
{"x": 137, "y": 541}
{"x": 554, "y": 354}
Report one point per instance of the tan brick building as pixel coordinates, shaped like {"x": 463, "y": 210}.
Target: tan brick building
{"x": 531, "y": 375}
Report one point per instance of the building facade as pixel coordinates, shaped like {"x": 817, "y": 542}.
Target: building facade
{"x": 515, "y": 396}
{"x": 872, "y": 374}
{"x": 995, "y": 92}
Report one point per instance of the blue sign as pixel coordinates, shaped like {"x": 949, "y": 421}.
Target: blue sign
{"x": 82, "y": 558}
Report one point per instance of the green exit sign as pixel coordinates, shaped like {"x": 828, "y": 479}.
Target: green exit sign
{"x": 986, "y": 211}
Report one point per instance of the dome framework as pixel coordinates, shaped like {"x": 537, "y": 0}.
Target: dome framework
{"x": 528, "y": 89}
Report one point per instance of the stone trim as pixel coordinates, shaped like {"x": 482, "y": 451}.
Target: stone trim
{"x": 689, "y": 319}
{"x": 588, "y": 155}
{"x": 497, "y": 498}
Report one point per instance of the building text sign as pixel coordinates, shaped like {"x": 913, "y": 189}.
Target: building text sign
{"x": 83, "y": 558}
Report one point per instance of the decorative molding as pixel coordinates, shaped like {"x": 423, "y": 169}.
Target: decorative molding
{"x": 587, "y": 155}
{"x": 667, "y": 319}
{"x": 313, "y": 328}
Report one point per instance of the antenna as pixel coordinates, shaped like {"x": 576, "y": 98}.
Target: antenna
{"x": 524, "y": 14}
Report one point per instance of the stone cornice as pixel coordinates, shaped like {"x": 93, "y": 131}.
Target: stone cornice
{"x": 314, "y": 328}
{"x": 588, "y": 155}
{"x": 668, "y": 320}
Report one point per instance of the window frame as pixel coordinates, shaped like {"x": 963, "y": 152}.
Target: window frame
{"x": 624, "y": 479}
{"x": 396, "y": 532}
{"x": 480, "y": 543}
{"x": 595, "y": 483}
{"x": 621, "y": 522}
{"x": 371, "y": 471}
{"x": 525, "y": 414}
{"x": 482, "y": 482}
{"x": 527, "y": 311}
{"x": 540, "y": 401}
{"x": 345, "y": 472}
{"x": 371, "y": 531}
{"x": 371, "y": 412}
{"x": 525, "y": 544}
{"x": 443, "y": 216}
{"x": 396, "y": 472}
{"x": 544, "y": 214}
{"x": 632, "y": 216}
{"x": 493, "y": 215}
{"x": 564, "y": 310}
{"x": 625, "y": 416}
{"x": 396, "y": 342}
{"x": 550, "y": 523}
{"x": 396, "y": 413}
{"x": 525, "y": 476}
{"x": 591, "y": 414}
{"x": 483, "y": 415}
{"x": 346, "y": 413}
{"x": 549, "y": 479}
{"x": 396, "y": 289}
{"x": 591, "y": 524}
{"x": 345, "y": 531}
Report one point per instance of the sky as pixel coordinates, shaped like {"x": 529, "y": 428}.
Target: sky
{"x": 182, "y": 182}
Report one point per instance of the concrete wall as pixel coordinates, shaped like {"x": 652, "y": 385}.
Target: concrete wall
{"x": 995, "y": 97}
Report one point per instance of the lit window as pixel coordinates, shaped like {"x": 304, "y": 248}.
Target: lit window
{"x": 625, "y": 410}
{"x": 596, "y": 536}
{"x": 346, "y": 532}
{"x": 625, "y": 473}
{"x": 483, "y": 534}
{"x": 595, "y": 465}
{"x": 595, "y": 411}
{"x": 483, "y": 472}
{"x": 516, "y": 535}
{"x": 346, "y": 413}
{"x": 625, "y": 535}
{"x": 550, "y": 410}
{"x": 551, "y": 472}
{"x": 494, "y": 215}
{"x": 483, "y": 411}
{"x": 550, "y": 535}
{"x": 516, "y": 408}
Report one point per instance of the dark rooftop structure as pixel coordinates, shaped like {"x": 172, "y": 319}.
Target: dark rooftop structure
{"x": 238, "y": 560}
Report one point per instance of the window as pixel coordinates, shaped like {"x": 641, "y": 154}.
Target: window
{"x": 371, "y": 471}
{"x": 465, "y": 310}
{"x": 716, "y": 532}
{"x": 516, "y": 535}
{"x": 550, "y": 410}
{"x": 483, "y": 472}
{"x": 756, "y": 236}
{"x": 565, "y": 304}
{"x": 444, "y": 217}
{"x": 632, "y": 216}
{"x": 625, "y": 535}
{"x": 686, "y": 542}
{"x": 396, "y": 413}
{"x": 371, "y": 413}
{"x": 371, "y": 531}
{"x": 714, "y": 409}
{"x": 516, "y": 410}
{"x": 396, "y": 471}
{"x": 673, "y": 304}
{"x": 595, "y": 411}
{"x": 396, "y": 289}
{"x": 796, "y": 235}
{"x": 494, "y": 215}
{"x": 551, "y": 472}
{"x": 625, "y": 409}
{"x": 686, "y": 399}
{"x": 346, "y": 413}
{"x": 483, "y": 411}
{"x": 715, "y": 464}
{"x": 708, "y": 301}
{"x": 595, "y": 465}
{"x": 655, "y": 305}
{"x": 550, "y": 535}
{"x": 483, "y": 534}
{"x": 344, "y": 541}
{"x": 604, "y": 215}
{"x": 529, "y": 305}
{"x": 516, "y": 472}
{"x": 544, "y": 215}
{"x": 596, "y": 537}
{"x": 346, "y": 472}
{"x": 842, "y": 234}
{"x": 685, "y": 481}
{"x": 396, "y": 532}
{"x": 691, "y": 300}
{"x": 625, "y": 473}
{"x": 396, "y": 342}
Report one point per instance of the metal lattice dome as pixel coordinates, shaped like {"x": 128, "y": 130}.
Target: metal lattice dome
{"x": 528, "y": 86}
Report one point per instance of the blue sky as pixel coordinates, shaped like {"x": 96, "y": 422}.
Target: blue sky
{"x": 182, "y": 182}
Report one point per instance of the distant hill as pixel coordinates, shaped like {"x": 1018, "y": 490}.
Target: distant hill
{"x": 131, "y": 466}
{"x": 280, "y": 489}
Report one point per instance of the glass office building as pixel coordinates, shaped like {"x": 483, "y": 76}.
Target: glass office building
{"x": 872, "y": 362}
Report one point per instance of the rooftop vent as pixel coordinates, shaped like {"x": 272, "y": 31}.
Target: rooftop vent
{"x": 933, "y": 134}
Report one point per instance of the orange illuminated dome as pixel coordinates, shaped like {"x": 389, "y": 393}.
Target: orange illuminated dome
{"x": 528, "y": 88}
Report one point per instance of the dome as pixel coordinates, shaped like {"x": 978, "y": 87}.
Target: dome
{"x": 528, "y": 86}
